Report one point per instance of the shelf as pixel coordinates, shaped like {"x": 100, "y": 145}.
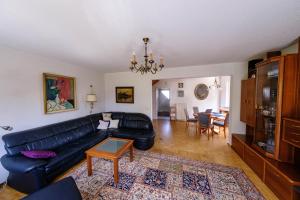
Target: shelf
{"x": 262, "y": 151}
{"x": 270, "y": 77}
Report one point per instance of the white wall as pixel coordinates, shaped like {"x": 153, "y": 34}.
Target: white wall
{"x": 143, "y": 88}
{"x": 293, "y": 48}
{"x": 212, "y": 100}
{"x": 21, "y": 88}
{"x": 225, "y": 91}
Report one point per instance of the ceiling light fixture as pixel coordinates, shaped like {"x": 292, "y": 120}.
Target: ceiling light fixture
{"x": 149, "y": 64}
{"x": 215, "y": 85}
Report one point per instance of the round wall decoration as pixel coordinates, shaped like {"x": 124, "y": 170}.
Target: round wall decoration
{"x": 201, "y": 91}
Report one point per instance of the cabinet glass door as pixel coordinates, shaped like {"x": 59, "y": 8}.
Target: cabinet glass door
{"x": 266, "y": 105}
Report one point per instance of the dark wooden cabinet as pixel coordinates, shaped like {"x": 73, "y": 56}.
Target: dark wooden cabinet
{"x": 266, "y": 100}
{"x": 282, "y": 178}
{"x": 238, "y": 146}
{"x": 278, "y": 183}
{"x": 248, "y": 102}
{"x": 271, "y": 146}
{"x": 269, "y": 84}
{"x": 254, "y": 160}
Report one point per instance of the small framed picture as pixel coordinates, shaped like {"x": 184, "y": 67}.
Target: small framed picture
{"x": 180, "y": 85}
{"x": 180, "y": 93}
{"x": 124, "y": 94}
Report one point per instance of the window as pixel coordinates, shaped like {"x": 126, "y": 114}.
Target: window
{"x": 166, "y": 93}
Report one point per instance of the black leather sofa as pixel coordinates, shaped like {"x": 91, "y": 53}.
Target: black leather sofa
{"x": 136, "y": 126}
{"x": 69, "y": 139}
{"x": 65, "y": 189}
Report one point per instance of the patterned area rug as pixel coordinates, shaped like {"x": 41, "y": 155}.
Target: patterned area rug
{"x": 160, "y": 176}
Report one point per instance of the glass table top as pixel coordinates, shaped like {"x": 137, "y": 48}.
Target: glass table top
{"x": 111, "y": 145}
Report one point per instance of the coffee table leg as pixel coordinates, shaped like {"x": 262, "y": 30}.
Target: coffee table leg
{"x": 131, "y": 153}
{"x": 116, "y": 173}
{"x": 89, "y": 164}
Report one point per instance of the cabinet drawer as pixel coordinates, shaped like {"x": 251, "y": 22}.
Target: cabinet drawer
{"x": 238, "y": 146}
{"x": 292, "y": 124}
{"x": 254, "y": 161}
{"x": 291, "y": 132}
{"x": 277, "y": 183}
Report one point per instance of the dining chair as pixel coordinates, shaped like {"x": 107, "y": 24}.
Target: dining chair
{"x": 195, "y": 111}
{"x": 222, "y": 123}
{"x": 189, "y": 120}
{"x": 208, "y": 110}
{"x": 205, "y": 125}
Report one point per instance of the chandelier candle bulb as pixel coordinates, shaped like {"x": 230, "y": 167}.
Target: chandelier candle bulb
{"x": 151, "y": 56}
{"x": 161, "y": 60}
{"x": 133, "y": 57}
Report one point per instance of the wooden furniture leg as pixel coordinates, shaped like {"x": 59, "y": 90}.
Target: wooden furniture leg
{"x": 207, "y": 133}
{"x": 131, "y": 153}
{"x": 89, "y": 164}
{"x": 116, "y": 173}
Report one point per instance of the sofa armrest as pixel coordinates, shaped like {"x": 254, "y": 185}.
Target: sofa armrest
{"x": 21, "y": 164}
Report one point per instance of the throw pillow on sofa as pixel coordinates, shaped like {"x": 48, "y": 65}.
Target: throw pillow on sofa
{"x": 103, "y": 125}
{"x": 114, "y": 123}
{"x": 39, "y": 154}
{"x": 106, "y": 116}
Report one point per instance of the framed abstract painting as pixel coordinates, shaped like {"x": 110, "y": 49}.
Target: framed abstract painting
{"x": 59, "y": 93}
{"x": 125, "y": 94}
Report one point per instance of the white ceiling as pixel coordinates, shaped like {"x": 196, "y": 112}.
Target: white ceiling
{"x": 103, "y": 33}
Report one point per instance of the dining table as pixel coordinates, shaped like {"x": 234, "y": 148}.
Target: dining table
{"x": 217, "y": 116}
{"x": 214, "y": 116}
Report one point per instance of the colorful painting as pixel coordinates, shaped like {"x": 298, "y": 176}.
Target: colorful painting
{"x": 124, "y": 94}
{"x": 59, "y": 93}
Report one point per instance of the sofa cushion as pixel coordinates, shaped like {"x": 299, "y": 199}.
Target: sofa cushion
{"x": 114, "y": 123}
{"x": 94, "y": 118}
{"x": 106, "y": 116}
{"x": 47, "y": 137}
{"x": 132, "y": 133}
{"x": 21, "y": 164}
{"x": 38, "y": 154}
{"x": 63, "y": 156}
{"x": 143, "y": 139}
{"x": 91, "y": 140}
{"x": 103, "y": 125}
{"x": 136, "y": 121}
{"x": 66, "y": 153}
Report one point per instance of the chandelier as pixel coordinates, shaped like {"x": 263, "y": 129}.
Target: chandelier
{"x": 215, "y": 85}
{"x": 149, "y": 64}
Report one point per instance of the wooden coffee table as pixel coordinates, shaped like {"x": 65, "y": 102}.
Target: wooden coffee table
{"x": 110, "y": 148}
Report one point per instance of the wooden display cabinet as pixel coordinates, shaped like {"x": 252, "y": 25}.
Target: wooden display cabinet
{"x": 272, "y": 146}
{"x": 269, "y": 84}
{"x": 273, "y": 95}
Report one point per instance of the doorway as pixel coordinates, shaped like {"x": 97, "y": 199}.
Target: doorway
{"x": 163, "y": 103}
{"x": 172, "y": 97}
